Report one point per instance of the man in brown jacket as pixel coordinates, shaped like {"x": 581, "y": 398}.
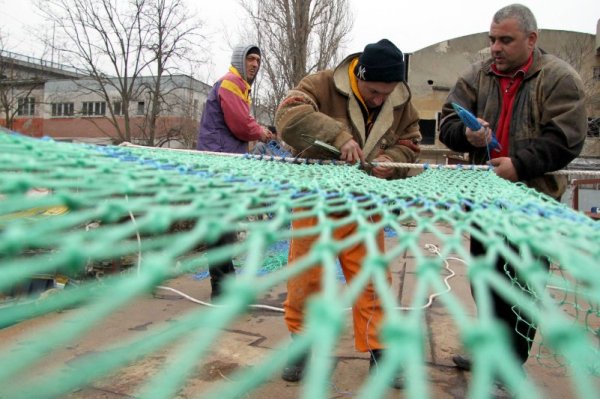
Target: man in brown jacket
{"x": 363, "y": 109}
{"x": 534, "y": 102}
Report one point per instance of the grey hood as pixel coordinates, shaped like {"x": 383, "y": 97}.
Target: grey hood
{"x": 238, "y": 58}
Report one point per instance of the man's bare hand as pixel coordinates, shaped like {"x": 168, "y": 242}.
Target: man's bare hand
{"x": 351, "y": 152}
{"x": 266, "y": 135}
{"x": 383, "y": 172}
{"x": 481, "y": 137}
{"x": 503, "y": 167}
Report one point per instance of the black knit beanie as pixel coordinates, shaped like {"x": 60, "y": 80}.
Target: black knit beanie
{"x": 380, "y": 62}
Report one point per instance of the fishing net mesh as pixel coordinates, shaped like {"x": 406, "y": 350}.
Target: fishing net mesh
{"x": 66, "y": 209}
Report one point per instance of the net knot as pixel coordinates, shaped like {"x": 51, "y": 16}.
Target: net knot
{"x": 323, "y": 313}
{"x": 432, "y": 266}
{"x": 74, "y": 256}
{"x": 13, "y": 239}
{"x": 240, "y": 290}
{"x": 377, "y": 261}
{"x": 563, "y": 336}
{"x": 395, "y": 330}
{"x": 478, "y": 267}
{"x": 111, "y": 212}
{"x": 485, "y": 336}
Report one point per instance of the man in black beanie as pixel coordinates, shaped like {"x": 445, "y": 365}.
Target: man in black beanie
{"x": 363, "y": 110}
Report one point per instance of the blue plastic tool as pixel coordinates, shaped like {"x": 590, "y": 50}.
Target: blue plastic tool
{"x": 472, "y": 123}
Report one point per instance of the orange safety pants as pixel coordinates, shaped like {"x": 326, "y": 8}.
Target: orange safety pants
{"x": 366, "y": 312}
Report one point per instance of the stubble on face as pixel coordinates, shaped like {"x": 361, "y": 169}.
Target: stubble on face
{"x": 510, "y": 46}
{"x": 252, "y": 67}
{"x": 374, "y": 94}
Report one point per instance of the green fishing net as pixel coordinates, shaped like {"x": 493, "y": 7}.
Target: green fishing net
{"x": 73, "y": 209}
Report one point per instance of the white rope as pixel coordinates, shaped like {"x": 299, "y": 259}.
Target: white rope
{"x": 430, "y": 247}
{"x": 212, "y": 305}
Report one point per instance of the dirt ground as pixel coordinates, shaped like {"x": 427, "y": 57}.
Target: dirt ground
{"x": 259, "y": 332}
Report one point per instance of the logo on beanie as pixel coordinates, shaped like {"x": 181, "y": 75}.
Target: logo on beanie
{"x": 380, "y": 62}
{"x": 360, "y": 72}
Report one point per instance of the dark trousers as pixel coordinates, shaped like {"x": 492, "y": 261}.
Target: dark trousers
{"x": 522, "y": 330}
{"x": 220, "y": 271}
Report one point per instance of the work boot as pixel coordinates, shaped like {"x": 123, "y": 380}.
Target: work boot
{"x": 218, "y": 275}
{"x": 216, "y": 290}
{"x": 397, "y": 381}
{"x": 462, "y": 362}
{"x": 500, "y": 391}
{"x": 294, "y": 369}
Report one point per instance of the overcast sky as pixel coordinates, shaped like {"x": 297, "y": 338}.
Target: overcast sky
{"x": 412, "y": 25}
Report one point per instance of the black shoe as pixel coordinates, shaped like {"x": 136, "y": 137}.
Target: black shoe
{"x": 294, "y": 370}
{"x": 397, "y": 381}
{"x": 500, "y": 391}
{"x": 462, "y": 362}
{"x": 219, "y": 273}
{"x": 216, "y": 290}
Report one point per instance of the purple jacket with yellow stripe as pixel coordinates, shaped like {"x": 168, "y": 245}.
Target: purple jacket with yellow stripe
{"x": 226, "y": 124}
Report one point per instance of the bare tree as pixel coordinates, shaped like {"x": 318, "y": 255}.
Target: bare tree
{"x": 15, "y": 88}
{"x": 580, "y": 54}
{"x": 174, "y": 35}
{"x": 179, "y": 95}
{"x": 184, "y": 130}
{"x": 99, "y": 36}
{"x": 297, "y": 37}
{"x": 117, "y": 41}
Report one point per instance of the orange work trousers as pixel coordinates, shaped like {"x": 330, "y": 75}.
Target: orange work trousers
{"x": 366, "y": 312}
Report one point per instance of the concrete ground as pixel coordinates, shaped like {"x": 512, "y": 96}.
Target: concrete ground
{"x": 259, "y": 332}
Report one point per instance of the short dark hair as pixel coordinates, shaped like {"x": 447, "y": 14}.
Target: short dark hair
{"x": 519, "y": 12}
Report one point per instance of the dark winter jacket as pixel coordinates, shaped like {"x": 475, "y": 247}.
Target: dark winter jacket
{"x": 548, "y": 125}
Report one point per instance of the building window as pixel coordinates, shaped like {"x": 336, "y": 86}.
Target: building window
{"x": 91, "y": 108}
{"x": 427, "y": 127}
{"x": 141, "y": 106}
{"x": 26, "y": 106}
{"x": 117, "y": 107}
{"x": 596, "y": 73}
{"x": 62, "y": 109}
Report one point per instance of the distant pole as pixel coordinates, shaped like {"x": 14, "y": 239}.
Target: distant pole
{"x": 52, "y": 47}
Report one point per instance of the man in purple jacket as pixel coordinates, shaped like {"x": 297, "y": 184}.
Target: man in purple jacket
{"x": 227, "y": 126}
